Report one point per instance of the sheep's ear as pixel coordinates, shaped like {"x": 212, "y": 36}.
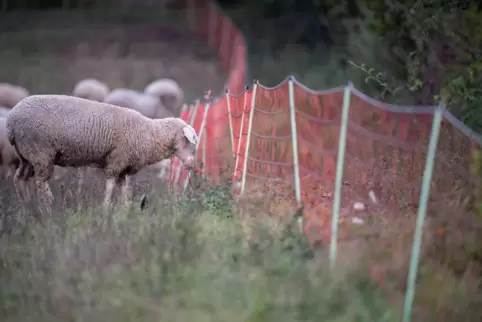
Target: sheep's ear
{"x": 190, "y": 134}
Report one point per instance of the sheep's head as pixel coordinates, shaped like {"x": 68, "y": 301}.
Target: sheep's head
{"x": 185, "y": 146}
{"x": 168, "y": 92}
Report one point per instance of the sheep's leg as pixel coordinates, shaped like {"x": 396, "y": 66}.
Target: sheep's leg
{"x": 127, "y": 190}
{"x": 110, "y": 183}
{"x": 19, "y": 182}
{"x": 43, "y": 172}
{"x": 115, "y": 173}
{"x": 27, "y": 175}
{"x": 22, "y": 175}
{"x": 80, "y": 179}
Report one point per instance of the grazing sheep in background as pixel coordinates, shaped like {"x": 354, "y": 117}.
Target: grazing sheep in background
{"x": 147, "y": 105}
{"x": 10, "y": 94}
{"x": 169, "y": 93}
{"x": 8, "y": 158}
{"x": 67, "y": 131}
{"x": 4, "y": 111}
{"x": 91, "y": 89}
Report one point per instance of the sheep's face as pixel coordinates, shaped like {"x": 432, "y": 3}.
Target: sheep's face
{"x": 185, "y": 146}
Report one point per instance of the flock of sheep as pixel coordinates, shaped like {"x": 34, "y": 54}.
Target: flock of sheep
{"x": 120, "y": 132}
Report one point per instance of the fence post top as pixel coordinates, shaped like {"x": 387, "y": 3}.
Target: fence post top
{"x": 350, "y": 85}
{"x": 226, "y": 90}
{"x": 291, "y": 78}
{"x": 246, "y": 88}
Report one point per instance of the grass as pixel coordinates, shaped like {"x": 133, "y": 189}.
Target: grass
{"x": 197, "y": 257}
{"x": 181, "y": 261}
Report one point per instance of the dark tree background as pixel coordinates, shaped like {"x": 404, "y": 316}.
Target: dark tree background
{"x": 405, "y": 52}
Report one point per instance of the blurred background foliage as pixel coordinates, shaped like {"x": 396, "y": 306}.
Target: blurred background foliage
{"x": 403, "y": 52}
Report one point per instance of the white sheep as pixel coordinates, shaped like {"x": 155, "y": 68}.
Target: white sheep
{"x": 8, "y": 158}
{"x": 147, "y": 105}
{"x": 67, "y": 131}
{"x": 169, "y": 92}
{"x": 94, "y": 90}
{"x": 91, "y": 89}
{"x": 10, "y": 94}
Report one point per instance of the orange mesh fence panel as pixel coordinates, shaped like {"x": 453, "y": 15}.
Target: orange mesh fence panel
{"x": 236, "y": 77}
{"x": 270, "y": 155}
{"x": 238, "y": 105}
{"x": 455, "y": 189}
{"x": 381, "y": 154}
{"x": 453, "y": 162}
{"x": 219, "y": 157}
{"x": 219, "y": 127}
{"x": 230, "y": 46}
{"x": 318, "y": 129}
{"x": 242, "y": 136}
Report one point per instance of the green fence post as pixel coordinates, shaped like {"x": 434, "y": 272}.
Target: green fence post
{"x": 294, "y": 137}
{"x": 422, "y": 209}
{"x": 241, "y": 128}
{"x": 230, "y": 117}
{"x": 203, "y": 170}
{"x": 339, "y": 175}
{"x": 250, "y": 124}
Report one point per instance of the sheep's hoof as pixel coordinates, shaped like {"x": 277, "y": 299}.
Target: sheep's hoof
{"x": 143, "y": 201}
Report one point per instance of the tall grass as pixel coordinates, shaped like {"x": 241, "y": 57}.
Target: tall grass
{"x": 178, "y": 261}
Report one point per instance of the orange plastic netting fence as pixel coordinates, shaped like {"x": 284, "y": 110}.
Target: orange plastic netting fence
{"x": 249, "y": 134}
{"x": 385, "y": 147}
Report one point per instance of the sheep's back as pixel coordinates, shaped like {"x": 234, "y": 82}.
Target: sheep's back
{"x": 77, "y": 130}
